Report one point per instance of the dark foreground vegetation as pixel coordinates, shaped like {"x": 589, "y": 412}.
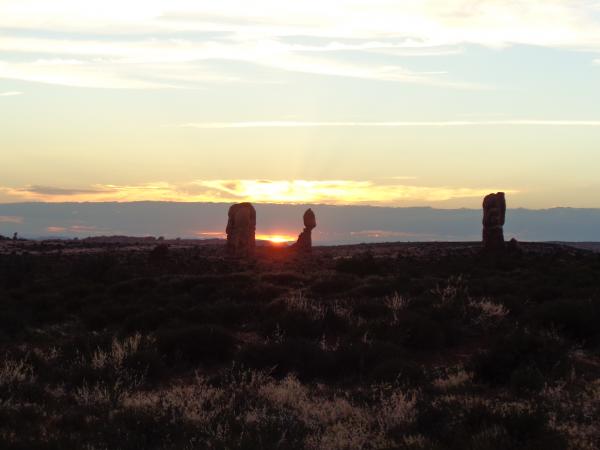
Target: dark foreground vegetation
{"x": 427, "y": 346}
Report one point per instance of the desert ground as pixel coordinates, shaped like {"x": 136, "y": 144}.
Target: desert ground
{"x": 133, "y": 343}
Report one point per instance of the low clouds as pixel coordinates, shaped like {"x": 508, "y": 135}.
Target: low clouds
{"x": 334, "y": 192}
{"x": 10, "y": 94}
{"x": 115, "y": 44}
{"x": 60, "y": 192}
{"x": 75, "y": 229}
{"x": 11, "y": 219}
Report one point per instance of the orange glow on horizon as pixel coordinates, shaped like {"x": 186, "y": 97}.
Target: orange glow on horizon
{"x": 276, "y": 238}
{"x": 388, "y": 192}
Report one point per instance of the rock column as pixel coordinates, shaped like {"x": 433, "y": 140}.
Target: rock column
{"x": 494, "y": 215}
{"x": 304, "y": 243}
{"x": 241, "y": 230}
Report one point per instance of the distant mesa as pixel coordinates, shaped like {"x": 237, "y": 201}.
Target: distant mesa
{"x": 304, "y": 243}
{"x": 241, "y": 230}
{"x": 494, "y": 216}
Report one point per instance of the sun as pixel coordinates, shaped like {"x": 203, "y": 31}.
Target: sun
{"x": 276, "y": 238}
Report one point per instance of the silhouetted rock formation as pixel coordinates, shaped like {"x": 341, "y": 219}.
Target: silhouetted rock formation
{"x": 494, "y": 215}
{"x": 241, "y": 229}
{"x": 304, "y": 243}
{"x": 513, "y": 246}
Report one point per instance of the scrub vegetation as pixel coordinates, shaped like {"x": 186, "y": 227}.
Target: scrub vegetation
{"x": 388, "y": 346}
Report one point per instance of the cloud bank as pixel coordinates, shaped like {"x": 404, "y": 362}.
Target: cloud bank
{"x": 333, "y": 192}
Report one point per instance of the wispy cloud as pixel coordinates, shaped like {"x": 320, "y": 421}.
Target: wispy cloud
{"x": 59, "y": 191}
{"x": 335, "y": 192}
{"x": 116, "y": 44}
{"x": 10, "y": 94}
{"x": 11, "y": 219}
{"x": 77, "y": 229}
{"x": 393, "y": 124}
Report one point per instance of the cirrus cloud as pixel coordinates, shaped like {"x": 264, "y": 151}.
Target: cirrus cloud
{"x": 118, "y": 44}
{"x": 392, "y": 124}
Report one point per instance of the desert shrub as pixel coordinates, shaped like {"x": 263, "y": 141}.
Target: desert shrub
{"x": 97, "y": 268}
{"x": 396, "y": 370}
{"x": 333, "y": 285}
{"x": 375, "y": 360}
{"x": 422, "y": 332}
{"x": 335, "y": 322}
{"x": 364, "y": 264}
{"x": 17, "y": 378}
{"x": 376, "y": 287}
{"x": 546, "y": 291}
{"x": 147, "y": 362}
{"x": 204, "y": 291}
{"x": 132, "y": 429}
{"x": 514, "y": 304}
{"x": 146, "y": 320}
{"x": 176, "y": 285}
{"x": 294, "y": 355}
{"x": 294, "y": 324}
{"x": 494, "y": 285}
{"x": 16, "y": 270}
{"x": 123, "y": 288}
{"x": 262, "y": 293}
{"x": 530, "y": 429}
{"x": 577, "y": 318}
{"x": 78, "y": 290}
{"x": 290, "y": 279}
{"x": 526, "y": 379}
{"x": 96, "y": 319}
{"x": 456, "y": 426}
{"x": 369, "y": 309}
{"x": 159, "y": 255}
{"x": 523, "y": 351}
{"x": 230, "y": 313}
{"x": 12, "y": 322}
{"x": 439, "y": 421}
{"x": 196, "y": 344}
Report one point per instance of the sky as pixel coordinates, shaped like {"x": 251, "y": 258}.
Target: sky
{"x": 385, "y": 103}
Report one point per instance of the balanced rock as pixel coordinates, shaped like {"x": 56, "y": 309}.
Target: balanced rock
{"x": 241, "y": 230}
{"x": 304, "y": 243}
{"x": 494, "y": 216}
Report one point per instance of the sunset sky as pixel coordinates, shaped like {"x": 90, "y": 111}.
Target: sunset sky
{"x": 381, "y": 102}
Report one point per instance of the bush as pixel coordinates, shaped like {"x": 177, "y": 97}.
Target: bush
{"x": 196, "y": 344}
{"x": 333, "y": 285}
{"x": 294, "y": 355}
{"x": 518, "y": 355}
{"x": 579, "y": 319}
{"x": 423, "y": 333}
{"x": 364, "y": 264}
